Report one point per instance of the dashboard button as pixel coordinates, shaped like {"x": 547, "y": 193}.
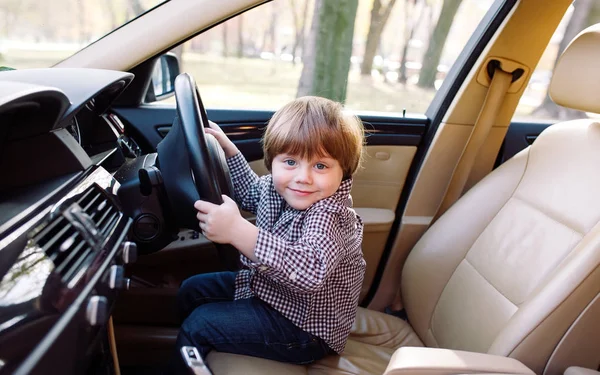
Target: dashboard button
{"x": 129, "y": 252}
{"x": 116, "y": 277}
{"x": 97, "y": 311}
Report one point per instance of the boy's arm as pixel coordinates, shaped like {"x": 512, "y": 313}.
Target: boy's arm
{"x": 302, "y": 265}
{"x": 247, "y": 185}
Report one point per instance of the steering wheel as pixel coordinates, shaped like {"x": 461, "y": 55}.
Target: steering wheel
{"x": 207, "y": 159}
{"x": 193, "y": 164}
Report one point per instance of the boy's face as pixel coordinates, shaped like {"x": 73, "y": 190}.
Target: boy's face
{"x": 302, "y": 182}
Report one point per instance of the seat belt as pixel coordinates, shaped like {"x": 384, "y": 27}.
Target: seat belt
{"x": 494, "y": 98}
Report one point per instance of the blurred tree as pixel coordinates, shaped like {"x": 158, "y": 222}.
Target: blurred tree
{"x": 410, "y": 24}
{"x": 11, "y": 11}
{"x": 269, "y": 41}
{"x": 329, "y": 49}
{"x": 299, "y": 26}
{"x": 583, "y": 16}
{"x": 223, "y": 27}
{"x": 379, "y": 16}
{"x": 112, "y": 14}
{"x": 136, "y": 8}
{"x": 432, "y": 56}
{"x": 240, "y": 44}
{"x": 83, "y": 32}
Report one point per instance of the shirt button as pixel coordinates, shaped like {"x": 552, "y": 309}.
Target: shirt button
{"x": 263, "y": 268}
{"x": 293, "y": 276}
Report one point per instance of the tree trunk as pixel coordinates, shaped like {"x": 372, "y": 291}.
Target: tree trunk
{"x": 305, "y": 85}
{"x": 112, "y": 14}
{"x": 379, "y": 17}
{"x": 240, "y": 46}
{"x": 269, "y": 38}
{"x": 300, "y": 28}
{"x": 224, "y": 39}
{"x": 579, "y": 20}
{"x": 82, "y": 22}
{"x": 325, "y": 73}
{"x": 273, "y": 30}
{"x": 432, "y": 56}
{"x": 136, "y": 7}
{"x": 411, "y": 26}
{"x": 12, "y": 13}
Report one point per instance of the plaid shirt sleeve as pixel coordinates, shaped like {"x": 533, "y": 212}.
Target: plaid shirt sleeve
{"x": 303, "y": 265}
{"x": 247, "y": 186}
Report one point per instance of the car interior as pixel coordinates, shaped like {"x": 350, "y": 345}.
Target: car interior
{"x": 482, "y": 234}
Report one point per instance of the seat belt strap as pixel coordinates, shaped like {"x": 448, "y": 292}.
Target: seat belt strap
{"x": 494, "y": 98}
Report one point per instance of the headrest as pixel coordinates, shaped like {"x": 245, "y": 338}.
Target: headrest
{"x": 576, "y": 78}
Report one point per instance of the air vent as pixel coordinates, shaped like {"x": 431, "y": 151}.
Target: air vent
{"x": 65, "y": 246}
{"x": 72, "y": 239}
{"x": 100, "y": 210}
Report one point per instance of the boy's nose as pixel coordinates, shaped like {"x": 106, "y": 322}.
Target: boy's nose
{"x": 303, "y": 176}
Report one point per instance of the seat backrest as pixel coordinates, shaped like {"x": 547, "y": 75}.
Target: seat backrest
{"x": 512, "y": 268}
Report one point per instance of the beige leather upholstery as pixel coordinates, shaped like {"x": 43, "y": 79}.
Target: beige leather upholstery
{"x": 573, "y": 70}
{"x": 433, "y": 361}
{"x": 509, "y": 270}
{"x": 580, "y": 371}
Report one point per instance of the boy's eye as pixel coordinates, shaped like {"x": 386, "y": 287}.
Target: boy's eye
{"x": 290, "y": 162}
{"x": 320, "y": 166}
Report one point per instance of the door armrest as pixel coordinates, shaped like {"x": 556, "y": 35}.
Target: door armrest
{"x": 580, "y": 371}
{"x": 414, "y": 360}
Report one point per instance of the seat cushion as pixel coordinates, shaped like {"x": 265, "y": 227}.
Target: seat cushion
{"x": 376, "y": 328}
{"x": 374, "y": 338}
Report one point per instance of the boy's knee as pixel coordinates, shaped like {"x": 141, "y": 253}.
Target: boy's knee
{"x": 193, "y": 328}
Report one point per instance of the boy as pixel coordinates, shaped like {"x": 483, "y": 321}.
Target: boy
{"x": 296, "y": 299}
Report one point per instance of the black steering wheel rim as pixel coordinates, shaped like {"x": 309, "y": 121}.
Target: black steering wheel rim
{"x": 206, "y": 158}
{"x": 193, "y": 165}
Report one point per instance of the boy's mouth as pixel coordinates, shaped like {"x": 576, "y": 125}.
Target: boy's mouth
{"x": 300, "y": 192}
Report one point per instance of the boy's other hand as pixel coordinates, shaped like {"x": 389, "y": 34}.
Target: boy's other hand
{"x": 229, "y": 147}
{"x": 217, "y": 221}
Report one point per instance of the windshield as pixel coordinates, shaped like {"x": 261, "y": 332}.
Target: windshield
{"x": 41, "y": 33}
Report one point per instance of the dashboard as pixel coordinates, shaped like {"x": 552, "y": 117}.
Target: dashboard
{"x": 64, "y": 237}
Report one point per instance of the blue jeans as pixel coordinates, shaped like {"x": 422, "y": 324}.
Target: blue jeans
{"x": 214, "y": 320}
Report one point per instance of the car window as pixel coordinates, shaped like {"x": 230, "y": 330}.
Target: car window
{"x": 394, "y": 57}
{"x": 536, "y": 105}
{"x": 39, "y": 34}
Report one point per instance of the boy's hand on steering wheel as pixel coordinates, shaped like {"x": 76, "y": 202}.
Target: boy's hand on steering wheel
{"x": 217, "y": 222}
{"x": 229, "y": 147}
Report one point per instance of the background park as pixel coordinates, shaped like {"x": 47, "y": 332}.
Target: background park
{"x": 373, "y": 55}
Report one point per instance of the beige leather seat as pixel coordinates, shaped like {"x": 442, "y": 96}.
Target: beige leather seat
{"x": 511, "y": 270}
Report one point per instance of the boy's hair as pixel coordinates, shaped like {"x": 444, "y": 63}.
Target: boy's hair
{"x": 312, "y": 126}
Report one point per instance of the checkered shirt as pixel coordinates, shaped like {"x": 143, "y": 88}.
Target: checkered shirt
{"x": 310, "y": 264}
